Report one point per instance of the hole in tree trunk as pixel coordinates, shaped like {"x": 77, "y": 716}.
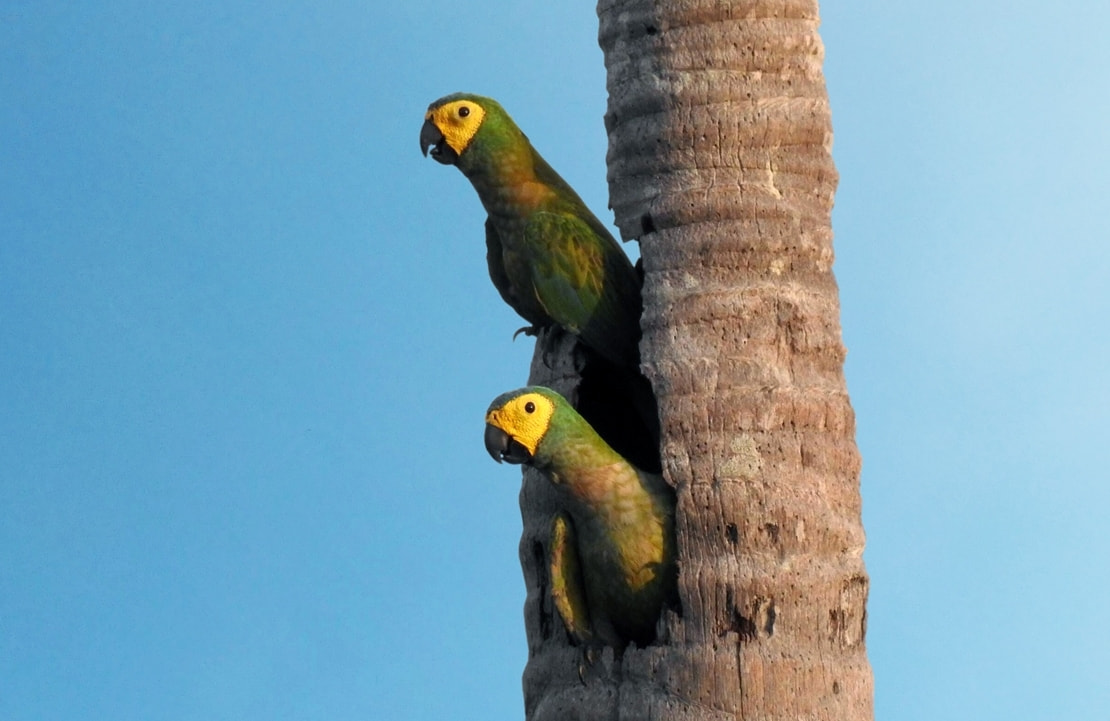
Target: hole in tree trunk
{"x": 620, "y": 406}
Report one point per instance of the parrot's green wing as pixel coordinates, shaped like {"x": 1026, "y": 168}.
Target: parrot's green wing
{"x": 506, "y": 270}
{"x": 496, "y": 263}
{"x": 582, "y": 284}
{"x": 567, "y": 270}
{"x": 566, "y": 580}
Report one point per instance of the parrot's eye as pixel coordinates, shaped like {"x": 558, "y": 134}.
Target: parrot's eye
{"x": 464, "y": 111}
{"x": 529, "y": 407}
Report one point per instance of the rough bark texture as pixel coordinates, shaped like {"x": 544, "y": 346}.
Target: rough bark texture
{"x": 720, "y": 165}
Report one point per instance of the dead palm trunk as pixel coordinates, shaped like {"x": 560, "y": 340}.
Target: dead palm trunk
{"x": 719, "y": 163}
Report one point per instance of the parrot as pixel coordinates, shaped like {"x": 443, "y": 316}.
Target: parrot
{"x": 611, "y": 550}
{"x": 549, "y": 257}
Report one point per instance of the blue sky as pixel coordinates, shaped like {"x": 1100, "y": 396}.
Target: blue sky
{"x": 247, "y": 337}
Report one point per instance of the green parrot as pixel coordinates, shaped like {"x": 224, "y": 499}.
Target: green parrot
{"x": 611, "y": 554}
{"x": 550, "y": 258}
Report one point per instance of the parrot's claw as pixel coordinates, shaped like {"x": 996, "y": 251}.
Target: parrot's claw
{"x": 551, "y": 339}
{"x": 580, "y": 359}
{"x": 528, "y": 330}
{"x": 547, "y": 338}
{"x": 590, "y": 655}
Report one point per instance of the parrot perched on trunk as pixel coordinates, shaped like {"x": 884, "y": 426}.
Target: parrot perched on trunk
{"x": 550, "y": 258}
{"x": 611, "y": 554}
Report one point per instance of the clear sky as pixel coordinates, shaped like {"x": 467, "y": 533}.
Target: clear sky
{"x": 247, "y": 338}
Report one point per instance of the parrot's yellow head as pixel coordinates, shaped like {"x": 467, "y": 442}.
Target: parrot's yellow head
{"x": 449, "y": 126}
{"x": 516, "y": 422}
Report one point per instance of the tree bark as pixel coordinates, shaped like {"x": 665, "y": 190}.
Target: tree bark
{"x": 720, "y": 164}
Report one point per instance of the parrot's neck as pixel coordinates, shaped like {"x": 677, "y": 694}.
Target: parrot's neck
{"x": 587, "y": 466}
{"x": 507, "y": 183}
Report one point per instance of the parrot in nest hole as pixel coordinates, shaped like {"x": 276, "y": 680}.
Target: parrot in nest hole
{"x": 550, "y": 258}
{"x": 611, "y": 552}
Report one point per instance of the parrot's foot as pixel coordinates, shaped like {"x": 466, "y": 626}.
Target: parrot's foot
{"x": 581, "y": 358}
{"x": 528, "y": 330}
{"x": 550, "y": 341}
{"x": 547, "y": 338}
{"x": 590, "y": 655}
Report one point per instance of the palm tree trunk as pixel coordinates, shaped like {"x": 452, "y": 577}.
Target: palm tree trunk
{"x": 719, "y": 163}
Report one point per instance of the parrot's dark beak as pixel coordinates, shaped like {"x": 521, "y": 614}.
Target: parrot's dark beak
{"x": 503, "y": 447}
{"x": 431, "y": 137}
